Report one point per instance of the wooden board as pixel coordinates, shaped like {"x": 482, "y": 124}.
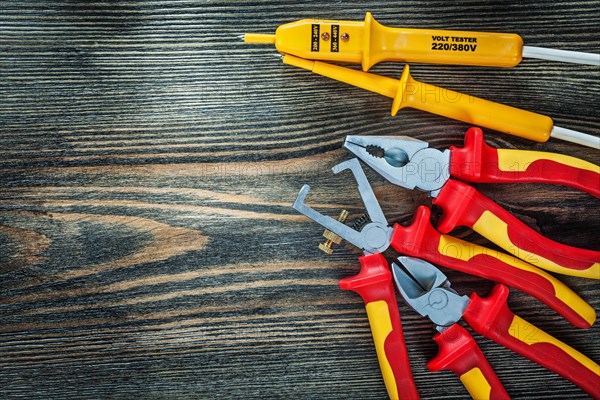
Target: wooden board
{"x": 148, "y": 162}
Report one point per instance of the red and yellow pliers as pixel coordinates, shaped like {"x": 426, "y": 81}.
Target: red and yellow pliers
{"x": 410, "y": 163}
{"x": 427, "y": 290}
{"x": 374, "y": 282}
{"x": 422, "y": 240}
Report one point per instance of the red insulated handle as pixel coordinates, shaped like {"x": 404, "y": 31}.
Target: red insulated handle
{"x": 422, "y": 240}
{"x": 492, "y": 318}
{"x": 478, "y": 162}
{"x": 463, "y": 205}
{"x": 460, "y": 354}
{"x": 374, "y": 284}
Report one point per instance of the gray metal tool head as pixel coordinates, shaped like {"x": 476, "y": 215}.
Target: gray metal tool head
{"x": 375, "y": 236}
{"x": 427, "y": 290}
{"x": 403, "y": 161}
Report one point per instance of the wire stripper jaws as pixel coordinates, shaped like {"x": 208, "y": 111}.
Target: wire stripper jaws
{"x": 403, "y": 161}
{"x": 375, "y": 236}
{"x": 427, "y": 290}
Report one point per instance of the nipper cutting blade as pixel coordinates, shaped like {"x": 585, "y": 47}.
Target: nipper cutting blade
{"x": 427, "y": 290}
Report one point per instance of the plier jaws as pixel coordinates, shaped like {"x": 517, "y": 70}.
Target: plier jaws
{"x": 375, "y": 236}
{"x": 427, "y": 290}
{"x": 403, "y": 161}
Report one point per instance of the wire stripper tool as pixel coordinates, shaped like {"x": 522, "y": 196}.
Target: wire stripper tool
{"x": 427, "y": 290}
{"x": 422, "y": 240}
{"x": 410, "y": 163}
{"x": 407, "y": 92}
{"x": 373, "y": 284}
{"x": 368, "y": 43}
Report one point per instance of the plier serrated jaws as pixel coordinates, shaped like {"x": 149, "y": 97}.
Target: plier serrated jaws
{"x": 403, "y": 161}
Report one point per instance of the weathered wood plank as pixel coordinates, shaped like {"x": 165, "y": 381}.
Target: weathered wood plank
{"x": 147, "y": 166}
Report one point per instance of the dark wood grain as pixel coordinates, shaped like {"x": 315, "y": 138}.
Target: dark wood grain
{"x": 148, "y": 162}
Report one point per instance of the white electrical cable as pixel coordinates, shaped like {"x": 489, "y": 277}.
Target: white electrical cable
{"x": 575, "y": 137}
{"x": 575, "y": 57}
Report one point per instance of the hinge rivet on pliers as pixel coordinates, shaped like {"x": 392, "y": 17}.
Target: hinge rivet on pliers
{"x": 331, "y": 237}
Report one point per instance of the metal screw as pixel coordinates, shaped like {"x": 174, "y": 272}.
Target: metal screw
{"x": 345, "y": 37}
{"x": 331, "y": 237}
{"x": 438, "y": 299}
{"x": 325, "y": 36}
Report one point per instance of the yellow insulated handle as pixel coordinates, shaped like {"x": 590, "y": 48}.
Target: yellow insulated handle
{"x": 368, "y": 43}
{"x": 381, "y": 327}
{"x": 476, "y": 384}
{"x": 407, "y": 92}
{"x": 470, "y": 109}
{"x": 438, "y": 46}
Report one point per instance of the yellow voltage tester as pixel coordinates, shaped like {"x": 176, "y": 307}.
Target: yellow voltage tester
{"x": 368, "y": 43}
{"x": 408, "y": 92}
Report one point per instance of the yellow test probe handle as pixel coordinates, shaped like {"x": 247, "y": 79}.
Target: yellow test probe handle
{"x": 407, "y": 92}
{"x": 368, "y": 43}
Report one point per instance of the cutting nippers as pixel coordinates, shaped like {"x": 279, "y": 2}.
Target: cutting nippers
{"x": 412, "y": 164}
{"x": 427, "y": 290}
